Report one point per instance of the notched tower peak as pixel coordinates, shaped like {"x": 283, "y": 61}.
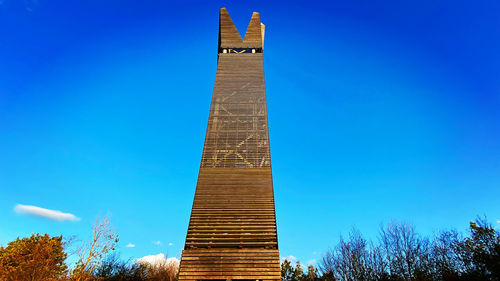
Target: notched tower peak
{"x": 230, "y": 38}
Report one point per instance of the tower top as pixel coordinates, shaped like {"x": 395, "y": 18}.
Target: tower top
{"x": 229, "y": 37}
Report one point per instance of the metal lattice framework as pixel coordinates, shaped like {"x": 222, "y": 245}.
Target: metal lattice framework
{"x": 232, "y": 229}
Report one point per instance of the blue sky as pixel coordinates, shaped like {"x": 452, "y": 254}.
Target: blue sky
{"x": 377, "y": 111}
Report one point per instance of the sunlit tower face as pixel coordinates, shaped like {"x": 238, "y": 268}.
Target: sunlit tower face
{"x": 232, "y": 229}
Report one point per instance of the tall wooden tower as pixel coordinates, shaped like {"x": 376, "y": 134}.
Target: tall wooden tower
{"x": 232, "y": 229}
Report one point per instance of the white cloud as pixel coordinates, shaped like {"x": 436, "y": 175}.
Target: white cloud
{"x": 158, "y": 260}
{"x": 157, "y": 242}
{"x": 130, "y": 245}
{"x": 498, "y": 221}
{"x": 170, "y": 244}
{"x": 289, "y": 258}
{"x": 311, "y": 262}
{"x": 44, "y": 213}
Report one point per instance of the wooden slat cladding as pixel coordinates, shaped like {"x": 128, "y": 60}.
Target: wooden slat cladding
{"x": 232, "y": 228}
{"x": 233, "y": 207}
{"x": 237, "y": 131}
{"x": 229, "y": 37}
{"x": 228, "y": 34}
{"x": 254, "y": 32}
{"x": 225, "y": 264}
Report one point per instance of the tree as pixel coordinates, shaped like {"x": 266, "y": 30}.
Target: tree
{"x": 349, "y": 260}
{"x": 296, "y": 273}
{"x": 406, "y": 252}
{"x": 114, "y": 269}
{"x": 92, "y": 253}
{"x": 446, "y": 256}
{"x": 312, "y": 274}
{"x": 401, "y": 255}
{"x": 287, "y": 271}
{"x": 39, "y": 257}
{"x": 164, "y": 270}
{"x": 482, "y": 251}
{"x": 291, "y": 273}
{"x": 327, "y": 276}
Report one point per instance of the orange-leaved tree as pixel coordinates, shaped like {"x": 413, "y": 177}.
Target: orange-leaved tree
{"x": 39, "y": 257}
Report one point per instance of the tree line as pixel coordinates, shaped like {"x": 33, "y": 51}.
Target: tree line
{"x": 399, "y": 254}
{"x": 43, "y": 258}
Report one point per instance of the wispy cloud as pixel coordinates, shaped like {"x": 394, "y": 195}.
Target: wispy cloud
{"x": 159, "y": 259}
{"x": 498, "y": 221}
{"x": 44, "y": 213}
{"x": 31, "y": 5}
{"x": 170, "y": 244}
{"x": 130, "y": 245}
{"x": 289, "y": 258}
{"x": 311, "y": 262}
{"x": 157, "y": 242}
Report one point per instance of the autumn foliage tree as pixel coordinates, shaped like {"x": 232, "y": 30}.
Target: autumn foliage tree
{"x": 39, "y": 257}
{"x": 481, "y": 251}
{"x": 289, "y": 272}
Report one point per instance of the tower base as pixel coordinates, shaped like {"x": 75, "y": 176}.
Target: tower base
{"x": 233, "y": 264}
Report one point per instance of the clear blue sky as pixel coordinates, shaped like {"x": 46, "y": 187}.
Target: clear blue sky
{"x": 378, "y": 110}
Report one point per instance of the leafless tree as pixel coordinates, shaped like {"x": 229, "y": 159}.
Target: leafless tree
{"x": 376, "y": 263}
{"x": 405, "y": 251}
{"x": 92, "y": 252}
{"x": 349, "y": 260}
{"x": 160, "y": 271}
{"x": 446, "y": 256}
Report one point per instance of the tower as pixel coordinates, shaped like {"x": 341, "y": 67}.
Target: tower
{"x": 232, "y": 228}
